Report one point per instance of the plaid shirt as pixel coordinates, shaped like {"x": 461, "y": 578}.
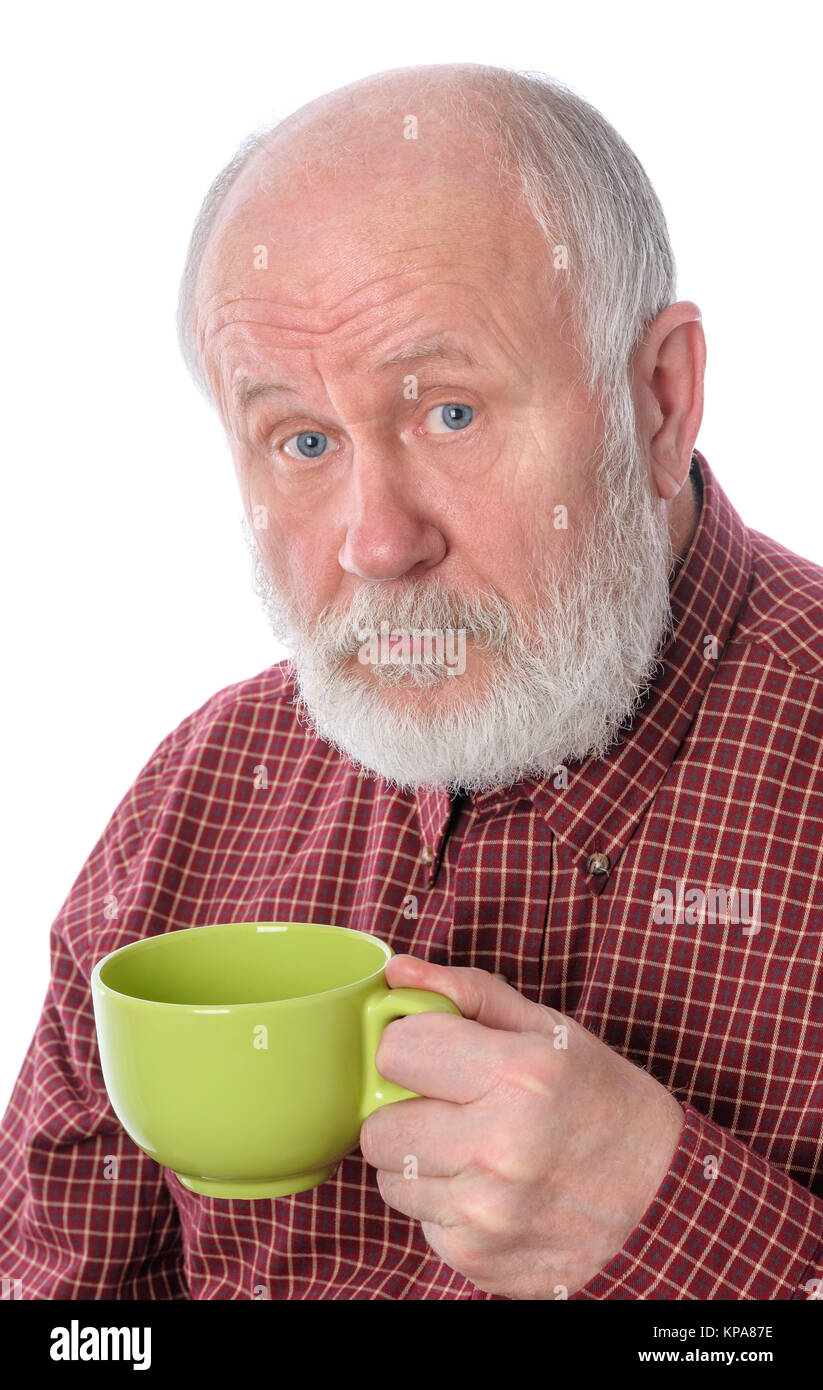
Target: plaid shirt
{"x": 241, "y": 814}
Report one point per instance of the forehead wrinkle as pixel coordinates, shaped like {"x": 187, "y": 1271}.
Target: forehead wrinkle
{"x": 377, "y": 289}
{"x": 437, "y": 343}
{"x": 428, "y": 345}
{"x": 246, "y": 389}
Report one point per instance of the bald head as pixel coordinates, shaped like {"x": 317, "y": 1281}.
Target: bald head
{"x": 363, "y": 190}
{"x": 601, "y": 223}
{"x": 357, "y": 119}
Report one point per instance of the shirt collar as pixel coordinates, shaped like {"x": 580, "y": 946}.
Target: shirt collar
{"x": 597, "y": 812}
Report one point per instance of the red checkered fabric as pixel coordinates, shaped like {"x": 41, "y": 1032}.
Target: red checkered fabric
{"x": 717, "y": 786}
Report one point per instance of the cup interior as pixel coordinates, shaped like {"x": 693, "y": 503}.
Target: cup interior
{"x": 243, "y": 963}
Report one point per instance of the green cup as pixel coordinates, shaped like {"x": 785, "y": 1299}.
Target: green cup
{"x": 242, "y": 1055}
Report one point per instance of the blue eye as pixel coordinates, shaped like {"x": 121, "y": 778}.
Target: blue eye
{"x": 310, "y": 443}
{"x": 446, "y": 418}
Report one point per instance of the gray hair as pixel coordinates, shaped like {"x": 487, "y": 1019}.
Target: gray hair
{"x": 585, "y": 187}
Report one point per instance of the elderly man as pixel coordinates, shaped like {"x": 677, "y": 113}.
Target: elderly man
{"x": 435, "y": 313}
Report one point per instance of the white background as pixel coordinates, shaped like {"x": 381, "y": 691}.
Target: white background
{"x": 125, "y": 578}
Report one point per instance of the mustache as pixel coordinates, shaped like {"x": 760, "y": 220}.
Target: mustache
{"x": 421, "y": 605}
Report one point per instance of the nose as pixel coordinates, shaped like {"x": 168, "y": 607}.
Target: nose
{"x": 388, "y": 532}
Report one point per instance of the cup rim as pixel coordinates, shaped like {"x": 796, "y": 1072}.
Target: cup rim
{"x": 99, "y": 984}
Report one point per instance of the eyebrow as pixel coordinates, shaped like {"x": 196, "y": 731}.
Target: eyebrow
{"x": 439, "y": 345}
{"x": 245, "y": 389}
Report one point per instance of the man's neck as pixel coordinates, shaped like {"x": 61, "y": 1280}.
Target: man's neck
{"x": 685, "y": 515}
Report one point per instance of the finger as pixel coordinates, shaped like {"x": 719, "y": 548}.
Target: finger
{"x": 467, "y": 1206}
{"x": 423, "y": 1199}
{"x": 486, "y": 998}
{"x": 446, "y": 1057}
{"x": 424, "y": 1138}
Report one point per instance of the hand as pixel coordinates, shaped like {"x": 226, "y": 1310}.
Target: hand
{"x": 534, "y": 1149}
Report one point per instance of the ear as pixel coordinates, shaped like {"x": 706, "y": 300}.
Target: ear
{"x": 668, "y": 369}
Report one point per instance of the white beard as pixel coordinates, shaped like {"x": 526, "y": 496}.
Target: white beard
{"x": 559, "y": 680}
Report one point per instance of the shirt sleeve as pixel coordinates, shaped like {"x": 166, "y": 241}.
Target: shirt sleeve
{"x": 84, "y": 1213}
{"x": 724, "y": 1224}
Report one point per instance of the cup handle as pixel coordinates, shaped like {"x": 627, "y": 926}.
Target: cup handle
{"x": 380, "y": 1010}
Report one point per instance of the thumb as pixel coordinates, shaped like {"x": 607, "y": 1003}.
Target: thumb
{"x": 486, "y": 998}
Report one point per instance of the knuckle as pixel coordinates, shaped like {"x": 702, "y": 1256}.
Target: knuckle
{"x": 526, "y": 1069}
{"x": 483, "y": 1210}
{"x": 504, "y": 1158}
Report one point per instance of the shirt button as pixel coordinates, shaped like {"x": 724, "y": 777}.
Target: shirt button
{"x": 427, "y": 857}
{"x": 598, "y": 864}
